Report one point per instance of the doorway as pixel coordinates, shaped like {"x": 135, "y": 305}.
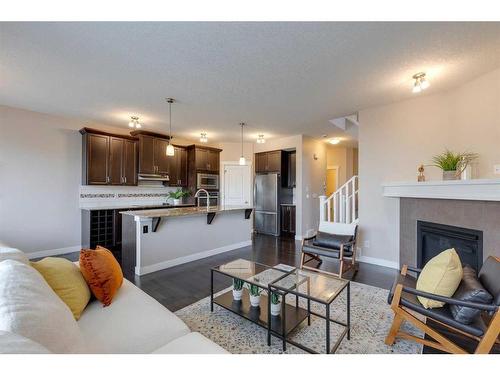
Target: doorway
{"x": 236, "y": 185}
{"x": 332, "y": 180}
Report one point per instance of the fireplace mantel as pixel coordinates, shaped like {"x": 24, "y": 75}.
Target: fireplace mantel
{"x": 477, "y": 190}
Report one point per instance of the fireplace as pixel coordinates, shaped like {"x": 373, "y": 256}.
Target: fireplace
{"x": 432, "y": 238}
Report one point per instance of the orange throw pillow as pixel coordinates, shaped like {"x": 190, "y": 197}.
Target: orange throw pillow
{"x": 102, "y": 272}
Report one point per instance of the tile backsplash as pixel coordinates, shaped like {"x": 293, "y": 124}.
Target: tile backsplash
{"x": 116, "y": 196}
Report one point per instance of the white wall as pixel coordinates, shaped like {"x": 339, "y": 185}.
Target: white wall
{"x": 313, "y": 181}
{"x": 395, "y": 139}
{"x": 345, "y": 158}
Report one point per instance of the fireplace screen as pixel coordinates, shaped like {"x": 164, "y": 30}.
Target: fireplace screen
{"x": 432, "y": 238}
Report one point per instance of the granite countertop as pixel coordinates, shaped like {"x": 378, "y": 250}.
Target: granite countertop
{"x": 135, "y": 206}
{"x": 184, "y": 211}
{"x": 287, "y": 204}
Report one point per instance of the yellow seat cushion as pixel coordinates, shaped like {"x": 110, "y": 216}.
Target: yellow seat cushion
{"x": 441, "y": 275}
{"x": 65, "y": 278}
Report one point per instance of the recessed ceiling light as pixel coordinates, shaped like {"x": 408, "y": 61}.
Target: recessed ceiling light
{"x": 335, "y": 141}
{"x": 421, "y": 83}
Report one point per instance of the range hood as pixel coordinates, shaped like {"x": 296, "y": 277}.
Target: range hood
{"x": 153, "y": 177}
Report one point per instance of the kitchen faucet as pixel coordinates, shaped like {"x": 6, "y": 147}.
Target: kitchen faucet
{"x": 196, "y": 195}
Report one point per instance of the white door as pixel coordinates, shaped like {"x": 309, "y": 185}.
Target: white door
{"x": 237, "y": 185}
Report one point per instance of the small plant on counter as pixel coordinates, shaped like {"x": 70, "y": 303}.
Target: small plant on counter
{"x": 254, "y": 291}
{"x": 237, "y": 289}
{"x": 275, "y": 304}
{"x": 177, "y": 195}
{"x": 453, "y": 164}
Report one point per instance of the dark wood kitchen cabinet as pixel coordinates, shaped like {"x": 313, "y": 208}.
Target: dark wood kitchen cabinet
{"x": 204, "y": 159}
{"x": 287, "y": 220}
{"x": 178, "y": 167}
{"x": 152, "y": 154}
{"x": 108, "y": 159}
{"x": 288, "y": 169}
{"x": 153, "y": 158}
{"x": 267, "y": 162}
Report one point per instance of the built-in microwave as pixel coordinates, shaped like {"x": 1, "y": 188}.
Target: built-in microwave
{"x": 207, "y": 181}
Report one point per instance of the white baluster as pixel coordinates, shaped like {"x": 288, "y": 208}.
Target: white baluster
{"x": 322, "y": 201}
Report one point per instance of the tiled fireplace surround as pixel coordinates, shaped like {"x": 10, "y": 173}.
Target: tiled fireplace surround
{"x": 473, "y": 214}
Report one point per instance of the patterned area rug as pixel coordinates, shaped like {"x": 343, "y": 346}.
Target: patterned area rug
{"x": 371, "y": 318}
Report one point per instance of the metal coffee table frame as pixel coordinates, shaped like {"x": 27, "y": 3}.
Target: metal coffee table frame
{"x": 285, "y": 330}
{"x": 284, "y": 334}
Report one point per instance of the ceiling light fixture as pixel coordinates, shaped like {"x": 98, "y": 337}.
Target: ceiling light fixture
{"x": 421, "y": 83}
{"x": 334, "y": 141}
{"x": 134, "y": 122}
{"x": 261, "y": 139}
{"x": 242, "y": 158}
{"x": 203, "y": 138}
{"x": 170, "y": 149}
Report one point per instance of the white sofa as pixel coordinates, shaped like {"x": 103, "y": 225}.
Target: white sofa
{"x": 133, "y": 323}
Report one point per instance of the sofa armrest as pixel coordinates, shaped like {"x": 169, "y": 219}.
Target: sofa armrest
{"x": 451, "y": 301}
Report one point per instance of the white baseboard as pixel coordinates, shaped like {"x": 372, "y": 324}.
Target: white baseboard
{"x": 378, "y": 262}
{"x": 189, "y": 258}
{"x": 52, "y": 252}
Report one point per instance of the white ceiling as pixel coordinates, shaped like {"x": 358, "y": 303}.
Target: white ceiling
{"x": 280, "y": 78}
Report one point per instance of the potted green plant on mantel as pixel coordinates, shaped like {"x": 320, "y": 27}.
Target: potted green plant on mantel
{"x": 275, "y": 304}
{"x": 254, "y": 291}
{"x": 237, "y": 289}
{"x": 453, "y": 164}
{"x": 177, "y": 196}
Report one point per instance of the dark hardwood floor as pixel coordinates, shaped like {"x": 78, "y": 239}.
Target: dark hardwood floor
{"x": 185, "y": 284}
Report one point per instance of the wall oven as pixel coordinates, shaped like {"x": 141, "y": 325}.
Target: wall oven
{"x": 214, "y": 199}
{"x": 207, "y": 181}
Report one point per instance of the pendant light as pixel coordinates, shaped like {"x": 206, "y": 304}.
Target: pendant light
{"x": 242, "y": 158}
{"x": 170, "y": 149}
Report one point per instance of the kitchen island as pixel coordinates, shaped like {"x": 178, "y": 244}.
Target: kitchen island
{"x": 156, "y": 239}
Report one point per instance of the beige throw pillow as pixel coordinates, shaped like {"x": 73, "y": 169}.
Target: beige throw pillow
{"x": 441, "y": 275}
{"x": 65, "y": 278}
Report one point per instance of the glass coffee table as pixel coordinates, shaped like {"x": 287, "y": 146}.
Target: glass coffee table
{"x": 320, "y": 288}
{"x": 281, "y": 281}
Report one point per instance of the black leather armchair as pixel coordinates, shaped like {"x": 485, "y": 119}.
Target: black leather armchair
{"x": 333, "y": 240}
{"x": 405, "y": 304}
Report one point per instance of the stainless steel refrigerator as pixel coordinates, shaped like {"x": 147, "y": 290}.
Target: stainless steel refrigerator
{"x": 266, "y": 200}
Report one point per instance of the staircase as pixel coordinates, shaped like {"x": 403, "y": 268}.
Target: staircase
{"x": 342, "y": 205}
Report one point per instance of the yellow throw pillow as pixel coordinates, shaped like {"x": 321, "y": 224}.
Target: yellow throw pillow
{"x": 441, "y": 275}
{"x": 65, "y": 278}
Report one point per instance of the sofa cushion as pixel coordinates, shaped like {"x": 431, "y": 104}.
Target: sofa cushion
{"x": 12, "y": 343}
{"x": 489, "y": 276}
{"x": 441, "y": 275}
{"x": 470, "y": 290}
{"x": 133, "y": 323}
{"x": 14, "y": 254}
{"x": 65, "y": 278}
{"x": 102, "y": 272}
{"x": 30, "y": 308}
{"x": 193, "y": 343}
